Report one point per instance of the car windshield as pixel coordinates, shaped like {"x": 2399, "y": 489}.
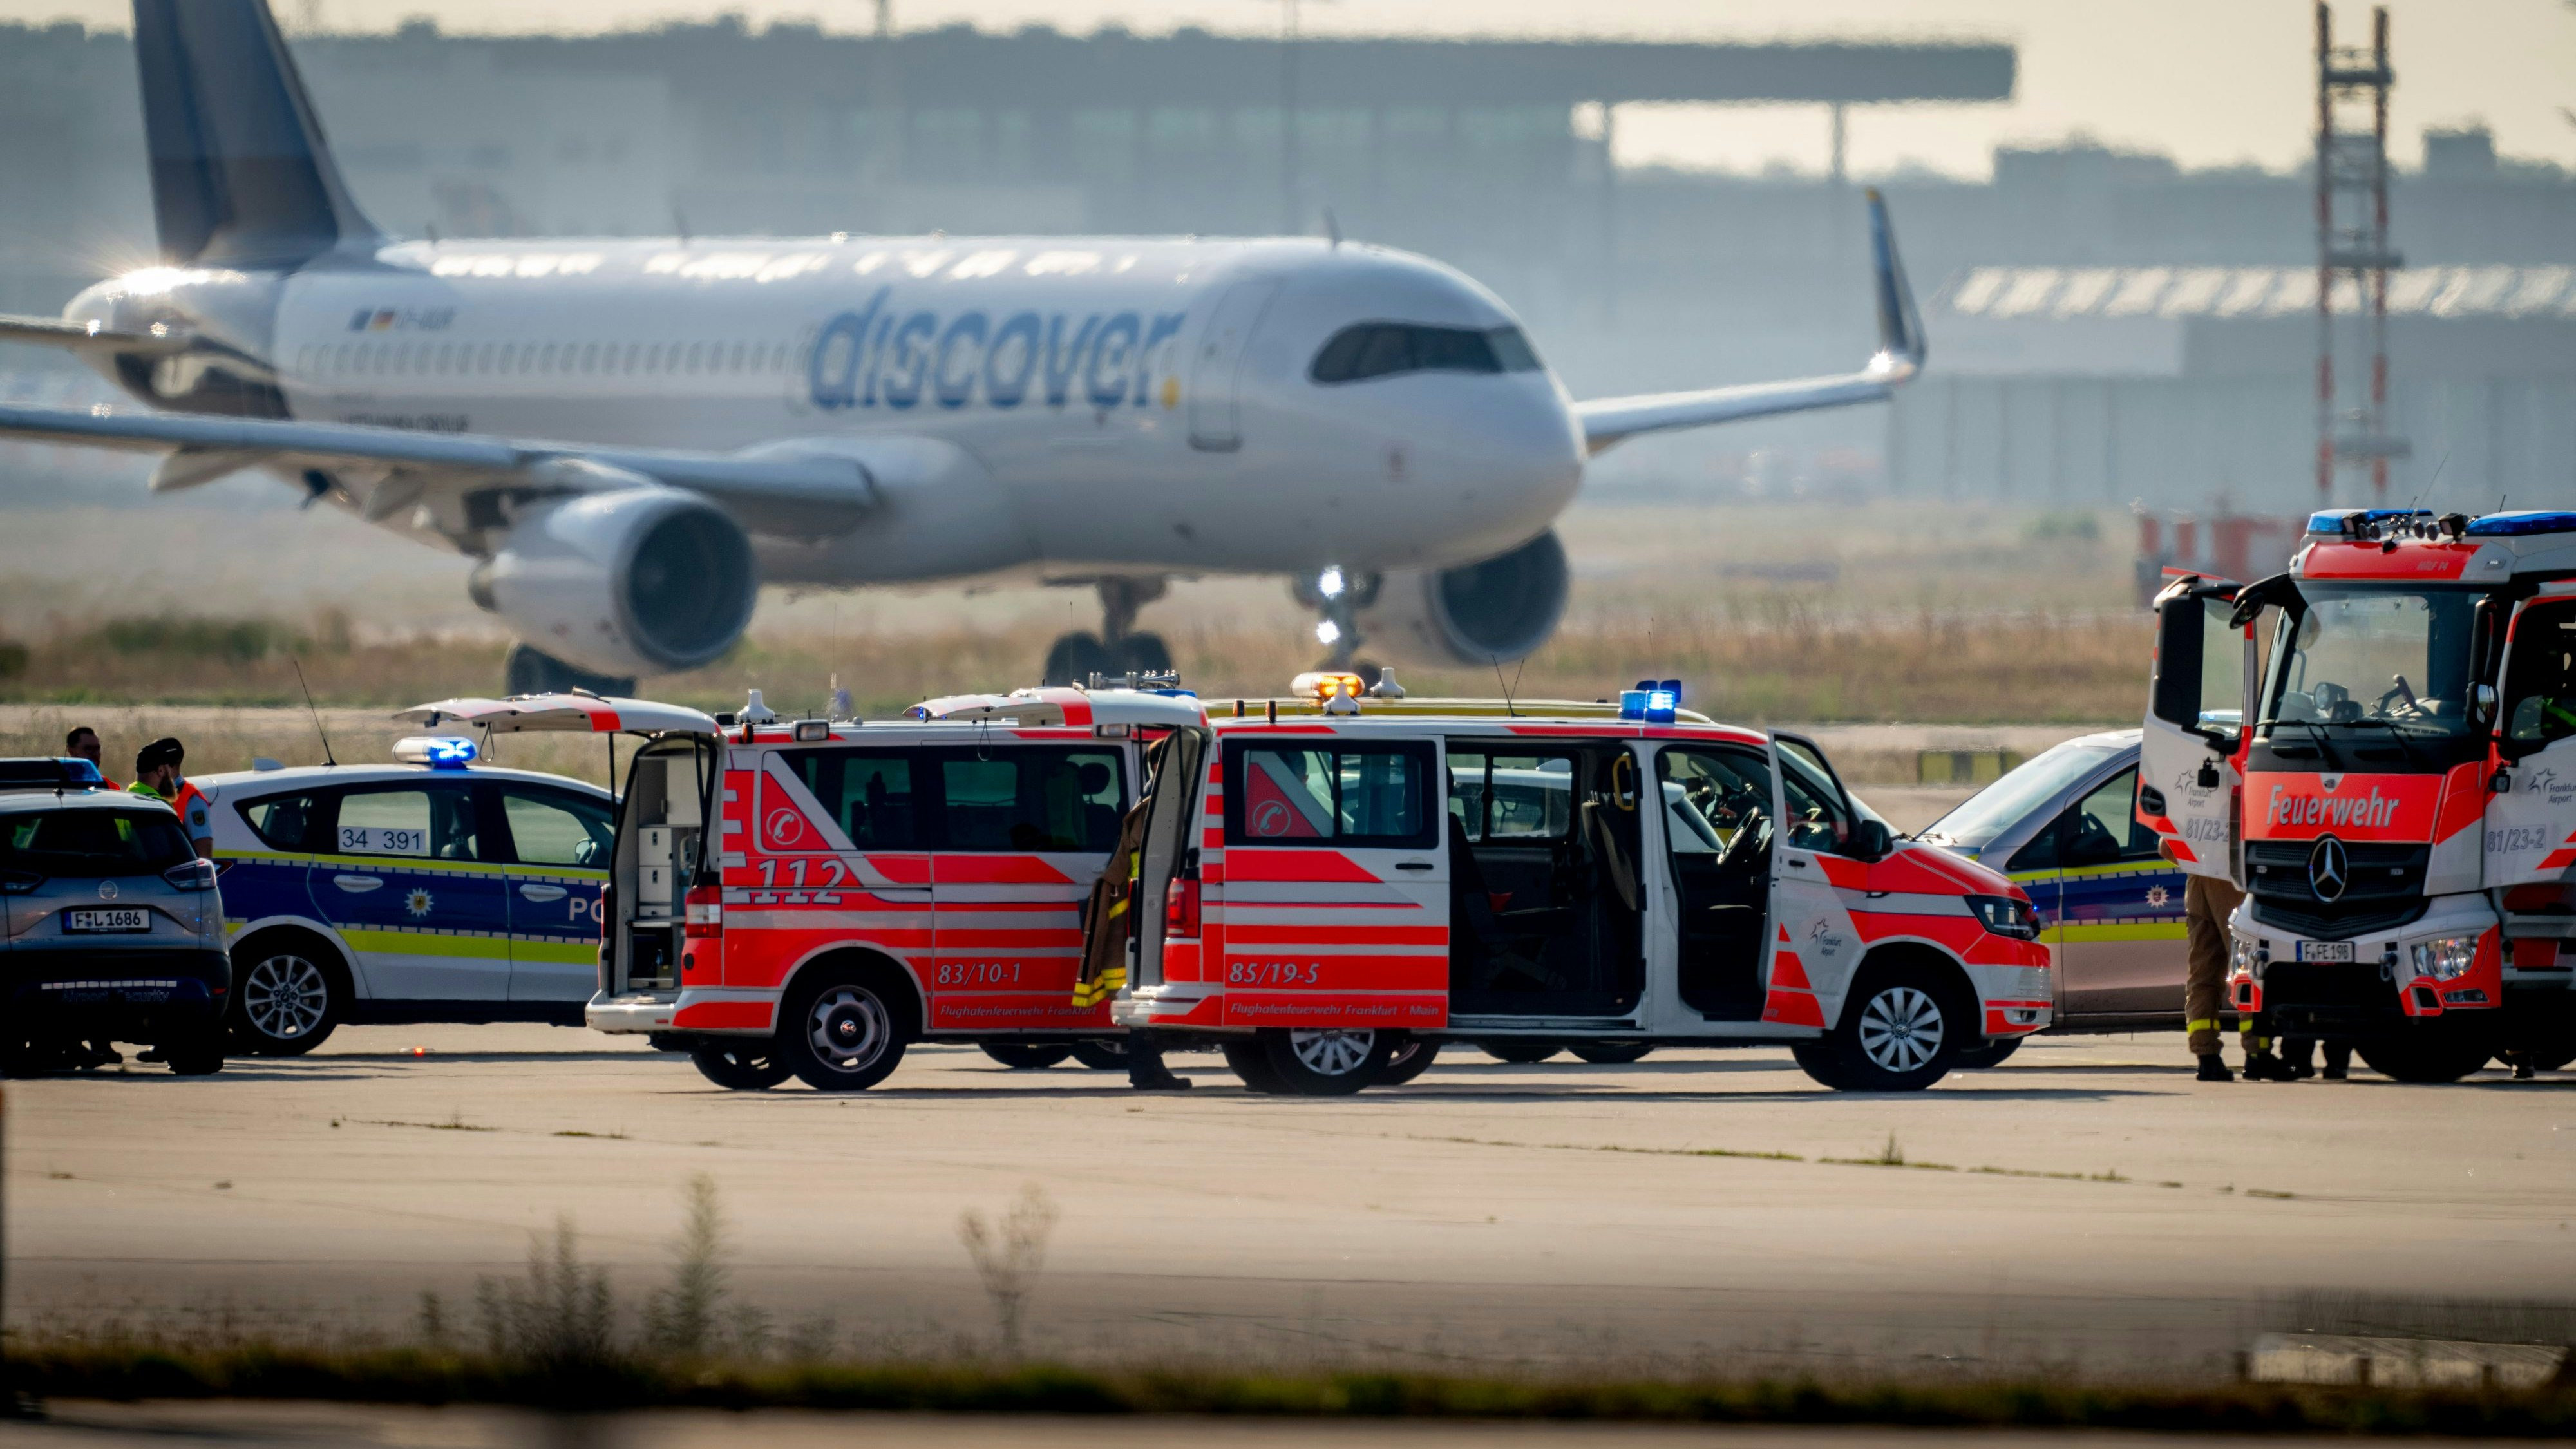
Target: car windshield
{"x": 1996, "y": 808}
{"x": 2376, "y": 659}
{"x": 92, "y": 842}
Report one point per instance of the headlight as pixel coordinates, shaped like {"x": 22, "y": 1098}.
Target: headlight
{"x": 2242, "y": 954}
{"x": 2006, "y": 917}
{"x": 2446, "y": 959}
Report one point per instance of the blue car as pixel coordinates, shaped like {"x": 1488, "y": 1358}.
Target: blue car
{"x": 429, "y": 890}
{"x": 2064, "y": 827}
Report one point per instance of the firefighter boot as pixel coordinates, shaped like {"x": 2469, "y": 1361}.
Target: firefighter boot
{"x": 2338, "y": 1060}
{"x": 2213, "y": 1068}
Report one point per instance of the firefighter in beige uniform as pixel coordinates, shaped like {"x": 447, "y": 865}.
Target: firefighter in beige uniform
{"x": 2207, "y": 902}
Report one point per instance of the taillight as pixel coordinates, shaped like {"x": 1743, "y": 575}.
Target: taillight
{"x": 705, "y": 912}
{"x": 1181, "y": 907}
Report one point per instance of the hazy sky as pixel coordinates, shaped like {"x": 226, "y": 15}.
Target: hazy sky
{"x": 2212, "y": 82}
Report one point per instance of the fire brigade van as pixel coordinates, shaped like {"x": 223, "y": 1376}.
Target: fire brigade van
{"x": 2399, "y": 798}
{"x": 1329, "y": 880}
{"x": 806, "y": 897}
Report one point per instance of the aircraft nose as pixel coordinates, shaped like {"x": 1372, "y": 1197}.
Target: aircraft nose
{"x": 1526, "y": 446}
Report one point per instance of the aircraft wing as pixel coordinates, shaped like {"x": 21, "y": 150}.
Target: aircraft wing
{"x": 1901, "y": 351}
{"x": 90, "y": 337}
{"x": 778, "y": 492}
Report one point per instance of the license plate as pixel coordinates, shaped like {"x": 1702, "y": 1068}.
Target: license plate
{"x": 107, "y": 920}
{"x": 2325, "y": 951}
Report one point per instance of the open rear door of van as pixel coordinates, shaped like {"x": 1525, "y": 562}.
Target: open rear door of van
{"x": 2187, "y": 783}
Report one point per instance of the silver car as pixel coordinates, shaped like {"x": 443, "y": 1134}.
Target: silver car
{"x": 111, "y": 928}
{"x": 2064, "y": 827}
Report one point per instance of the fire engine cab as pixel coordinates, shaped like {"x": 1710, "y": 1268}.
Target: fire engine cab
{"x": 1331, "y": 882}
{"x": 2399, "y": 797}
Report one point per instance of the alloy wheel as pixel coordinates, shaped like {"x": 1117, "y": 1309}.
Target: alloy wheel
{"x": 284, "y": 997}
{"x": 1332, "y": 1052}
{"x": 1901, "y": 1029}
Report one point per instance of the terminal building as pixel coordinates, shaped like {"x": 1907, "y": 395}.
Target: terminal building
{"x": 2105, "y": 326}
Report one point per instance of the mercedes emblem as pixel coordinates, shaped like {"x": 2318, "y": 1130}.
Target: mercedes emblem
{"x": 2329, "y": 868}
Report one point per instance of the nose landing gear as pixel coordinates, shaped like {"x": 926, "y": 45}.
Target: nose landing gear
{"x": 1338, "y": 597}
{"x": 1117, "y": 649}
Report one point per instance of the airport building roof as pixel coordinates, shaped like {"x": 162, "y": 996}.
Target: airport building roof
{"x": 2180, "y": 293}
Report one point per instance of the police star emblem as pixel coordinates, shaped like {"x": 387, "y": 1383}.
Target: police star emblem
{"x": 417, "y": 903}
{"x": 2158, "y": 895}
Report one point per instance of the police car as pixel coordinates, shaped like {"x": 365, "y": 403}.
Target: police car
{"x": 2064, "y": 827}
{"x": 430, "y": 889}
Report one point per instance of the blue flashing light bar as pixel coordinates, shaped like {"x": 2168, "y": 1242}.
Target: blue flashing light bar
{"x": 1653, "y": 701}
{"x": 80, "y": 774}
{"x": 2359, "y": 522}
{"x": 2515, "y": 525}
{"x": 439, "y": 752}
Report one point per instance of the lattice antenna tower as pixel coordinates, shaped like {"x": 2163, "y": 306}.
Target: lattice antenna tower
{"x": 2354, "y": 259}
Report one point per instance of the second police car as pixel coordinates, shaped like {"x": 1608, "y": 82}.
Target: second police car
{"x": 429, "y": 889}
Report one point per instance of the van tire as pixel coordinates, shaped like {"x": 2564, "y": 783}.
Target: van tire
{"x": 1611, "y": 1053}
{"x": 843, "y": 1029}
{"x": 1519, "y": 1051}
{"x": 1412, "y": 1057}
{"x": 749, "y": 1066}
{"x": 1881, "y": 1045}
{"x": 290, "y": 990}
{"x": 199, "y": 1054}
{"x": 1251, "y": 1063}
{"x": 1326, "y": 1063}
{"x": 1101, "y": 1054}
{"x": 1021, "y": 1056}
{"x": 1990, "y": 1053}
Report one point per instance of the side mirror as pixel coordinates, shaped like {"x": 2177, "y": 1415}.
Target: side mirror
{"x": 1870, "y": 839}
{"x": 2482, "y": 702}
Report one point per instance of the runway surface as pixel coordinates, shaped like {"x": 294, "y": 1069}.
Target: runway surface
{"x": 2085, "y": 1207}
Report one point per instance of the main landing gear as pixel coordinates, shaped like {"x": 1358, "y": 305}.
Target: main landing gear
{"x": 531, "y": 672}
{"x": 1117, "y": 649}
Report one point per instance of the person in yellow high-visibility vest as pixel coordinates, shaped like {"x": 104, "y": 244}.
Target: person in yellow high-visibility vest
{"x": 1108, "y": 920}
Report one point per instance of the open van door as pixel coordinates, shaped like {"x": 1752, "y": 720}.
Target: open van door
{"x": 1814, "y": 946}
{"x": 662, "y": 847}
{"x": 2187, "y": 784}
{"x": 1169, "y": 914}
{"x": 2531, "y": 821}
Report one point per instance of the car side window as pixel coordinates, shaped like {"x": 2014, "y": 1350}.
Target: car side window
{"x": 1032, "y": 799}
{"x": 1512, "y": 798}
{"x": 1709, "y": 795}
{"x": 2103, "y": 829}
{"x": 435, "y": 822}
{"x": 297, "y": 823}
{"x": 553, "y": 827}
{"x": 869, "y": 792}
{"x": 1816, "y": 817}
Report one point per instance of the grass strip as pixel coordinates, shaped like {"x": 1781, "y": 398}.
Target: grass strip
{"x": 419, "y": 1376}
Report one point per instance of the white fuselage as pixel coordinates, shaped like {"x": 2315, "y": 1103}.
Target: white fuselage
{"x": 1099, "y": 404}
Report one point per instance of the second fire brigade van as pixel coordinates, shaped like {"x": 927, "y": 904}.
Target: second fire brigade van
{"x": 1327, "y": 881}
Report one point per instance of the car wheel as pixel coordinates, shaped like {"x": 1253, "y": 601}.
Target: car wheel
{"x": 2553, "y": 1059}
{"x": 1519, "y": 1051}
{"x": 1901, "y": 1030}
{"x": 839, "y": 1034}
{"x": 1101, "y": 1054}
{"x": 1410, "y": 1059}
{"x": 1327, "y": 1062}
{"x": 1026, "y": 1056}
{"x": 751, "y": 1066}
{"x": 2425, "y": 1056}
{"x": 200, "y": 1054}
{"x": 1990, "y": 1053}
{"x": 287, "y": 999}
{"x": 1611, "y": 1053}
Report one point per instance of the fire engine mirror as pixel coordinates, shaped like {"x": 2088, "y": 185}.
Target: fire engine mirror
{"x": 2482, "y": 701}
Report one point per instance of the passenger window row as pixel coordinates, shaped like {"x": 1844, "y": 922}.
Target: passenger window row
{"x": 462, "y": 820}
{"x": 556, "y": 359}
{"x": 1042, "y": 799}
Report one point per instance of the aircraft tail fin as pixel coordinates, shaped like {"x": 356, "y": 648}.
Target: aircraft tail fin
{"x": 241, "y": 176}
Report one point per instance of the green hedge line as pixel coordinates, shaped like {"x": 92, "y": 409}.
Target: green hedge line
{"x": 404, "y": 1376}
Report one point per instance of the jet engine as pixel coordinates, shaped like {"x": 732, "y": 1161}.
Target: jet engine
{"x": 637, "y": 580}
{"x": 1478, "y": 613}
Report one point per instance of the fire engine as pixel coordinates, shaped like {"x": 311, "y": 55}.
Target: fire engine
{"x": 1328, "y": 887}
{"x": 2398, "y": 797}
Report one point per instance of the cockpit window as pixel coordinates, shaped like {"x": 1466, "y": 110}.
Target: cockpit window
{"x": 1383, "y": 349}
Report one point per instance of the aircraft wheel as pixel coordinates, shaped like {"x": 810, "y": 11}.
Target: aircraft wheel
{"x": 531, "y": 671}
{"x": 1075, "y": 658}
{"x": 1141, "y": 654}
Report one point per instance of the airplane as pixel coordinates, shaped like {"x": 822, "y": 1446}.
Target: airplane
{"x": 630, "y": 437}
